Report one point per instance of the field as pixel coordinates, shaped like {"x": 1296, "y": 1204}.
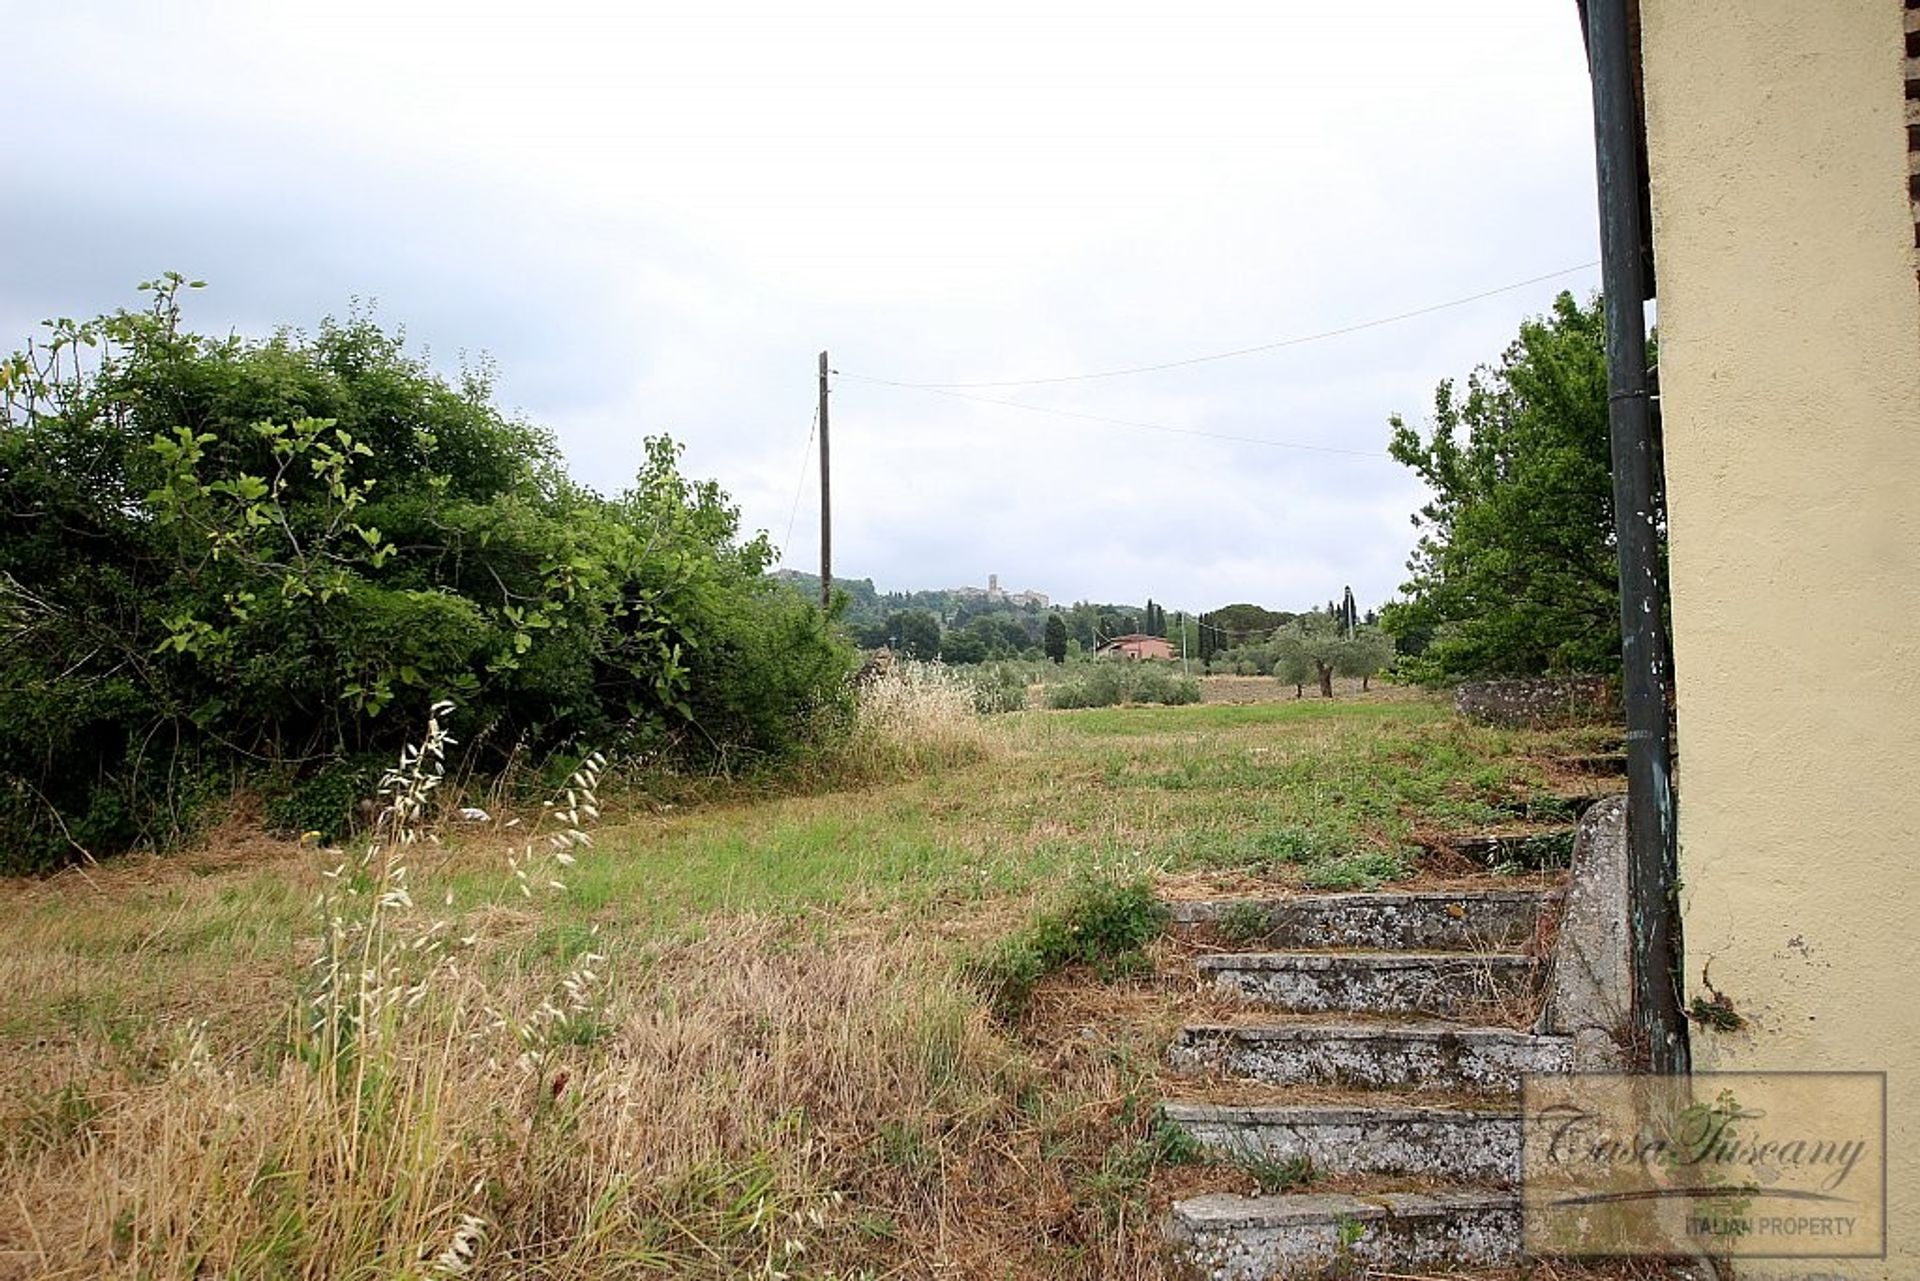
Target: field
{"x": 748, "y": 1037}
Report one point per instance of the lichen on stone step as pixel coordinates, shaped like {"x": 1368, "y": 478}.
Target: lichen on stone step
{"x": 1372, "y": 1056}
{"x": 1475, "y": 920}
{"x": 1439, "y": 1142}
{"x": 1236, "y": 1238}
{"x": 1436, "y": 983}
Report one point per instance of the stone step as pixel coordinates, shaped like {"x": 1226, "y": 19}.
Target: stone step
{"x": 1449, "y": 1143}
{"x": 1437, "y": 983}
{"x": 1544, "y": 851}
{"x": 1316, "y": 1234}
{"x": 1433, "y": 1056}
{"x": 1429, "y": 921}
{"x": 1548, "y": 807}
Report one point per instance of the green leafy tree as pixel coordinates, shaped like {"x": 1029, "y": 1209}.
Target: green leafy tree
{"x": 220, "y": 555}
{"x": 1244, "y": 622}
{"x": 915, "y": 633}
{"x": 1515, "y": 571}
{"x": 963, "y": 647}
{"x": 1313, "y": 647}
{"x": 1056, "y": 638}
{"x": 1364, "y": 655}
{"x": 1290, "y": 662}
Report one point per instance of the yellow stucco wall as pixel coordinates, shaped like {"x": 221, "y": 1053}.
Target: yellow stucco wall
{"x": 1790, "y": 369}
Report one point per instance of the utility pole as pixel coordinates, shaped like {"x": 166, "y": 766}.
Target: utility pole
{"x": 826, "y": 499}
{"x": 1652, "y": 858}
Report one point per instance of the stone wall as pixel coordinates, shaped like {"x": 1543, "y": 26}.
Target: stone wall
{"x": 1545, "y": 700}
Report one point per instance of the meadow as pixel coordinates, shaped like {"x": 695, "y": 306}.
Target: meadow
{"x": 748, "y": 1031}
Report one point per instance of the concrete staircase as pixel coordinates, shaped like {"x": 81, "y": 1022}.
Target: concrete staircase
{"x": 1404, "y": 1008}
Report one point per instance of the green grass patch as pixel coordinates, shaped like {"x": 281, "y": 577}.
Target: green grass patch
{"x": 1104, "y": 925}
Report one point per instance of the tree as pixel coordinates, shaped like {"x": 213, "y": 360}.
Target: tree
{"x": 1056, "y": 638}
{"x": 1244, "y": 622}
{"x": 1292, "y": 664}
{"x": 964, "y": 646}
{"x": 915, "y": 633}
{"x": 1312, "y": 647}
{"x": 1515, "y": 572}
{"x": 1364, "y": 654}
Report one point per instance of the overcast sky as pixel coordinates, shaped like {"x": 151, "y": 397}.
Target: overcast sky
{"x": 653, "y": 217}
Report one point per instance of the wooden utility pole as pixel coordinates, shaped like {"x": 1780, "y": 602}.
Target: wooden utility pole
{"x": 826, "y": 498}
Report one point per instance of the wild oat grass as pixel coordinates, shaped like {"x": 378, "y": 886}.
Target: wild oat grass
{"x": 767, "y": 1061}
{"x": 752, "y": 1103}
{"x": 914, "y": 717}
{"x": 755, "y": 1107}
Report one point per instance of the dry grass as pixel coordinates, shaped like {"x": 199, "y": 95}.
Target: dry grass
{"x": 776, "y": 1069}
{"x": 763, "y": 1099}
{"x": 757, "y": 1103}
{"x": 913, "y": 717}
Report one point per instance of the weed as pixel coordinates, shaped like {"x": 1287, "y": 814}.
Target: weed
{"x": 55, "y": 1119}
{"x": 1104, "y": 925}
{"x": 913, "y": 717}
{"x": 1119, "y": 1184}
{"x": 1348, "y": 1233}
{"x": 904, "y": 1146}
{"x": 1243, "y": 923}
{"x": 1715, "y": 1011}
{"x": 1274, "y": 1175}
{"x": 1171, "y": 1145}
{"x": 1546, "y": 850}
{"x": 1293, "y": 845}
{"x": 1548, "y": 808}
{"x": 997, "y": 687}
{"x": 1358, "y": 871}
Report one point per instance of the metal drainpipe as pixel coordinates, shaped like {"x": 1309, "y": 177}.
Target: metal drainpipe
{"x": 1652, "y": 864}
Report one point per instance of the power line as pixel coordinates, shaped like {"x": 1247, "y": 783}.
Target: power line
{"x": 1243, "y": 351}
{"x": 1121, "y": 422}
{"x": 800, "y": 486}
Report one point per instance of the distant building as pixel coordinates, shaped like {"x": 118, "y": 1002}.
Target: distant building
{"x": 1135, "y": 647}
{"x": 992, "y": 592}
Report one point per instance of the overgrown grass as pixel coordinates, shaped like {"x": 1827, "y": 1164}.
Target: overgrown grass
{"x": 914, "y": 717}
{"x": 784, "y": 1044}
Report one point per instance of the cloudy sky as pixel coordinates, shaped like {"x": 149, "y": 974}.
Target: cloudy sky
{"x": 653, "y": 217}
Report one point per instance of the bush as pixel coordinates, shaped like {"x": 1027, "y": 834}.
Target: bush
{"x": 1105, "y": 925}
{"x": 216, "y": 551}
{"x": 999, "y": 687}
{"x": 323, "y": 800}
{"x": 1109, "y": 684}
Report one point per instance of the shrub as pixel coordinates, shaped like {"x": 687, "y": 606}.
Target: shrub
{"x": 216, "y": 551}
{"x": 324, "y": 800}
{"x": 1105, "y": 925}
{"x": 1109, "y": 684}
{"x": 998, "y": 687}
